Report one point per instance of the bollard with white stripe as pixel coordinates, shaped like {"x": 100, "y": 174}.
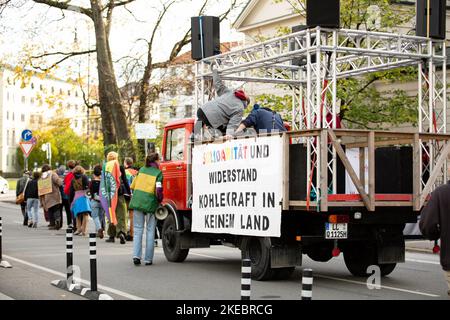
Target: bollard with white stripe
{"x": 69, "y": 255}
{"x": 93, "y": 259}
{"x": 3, "y": 263}
{"x": 246, "y": 279}
{"x": 307, "y": 282}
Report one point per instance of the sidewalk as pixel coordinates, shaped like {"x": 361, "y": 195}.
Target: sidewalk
{"x": 422, "y": 246}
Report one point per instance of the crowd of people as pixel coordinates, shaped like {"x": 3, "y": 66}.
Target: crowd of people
{"x": 119, "y": 198}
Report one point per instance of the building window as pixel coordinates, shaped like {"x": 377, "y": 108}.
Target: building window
{"x": 13, "y": 137}
{"x": 32, "y": 85}
{"x": 7, "y": 160}
{"x": 7, "y": 96}
{"x": 41, "y": 87}
{"x": 60, "y": 91}
{"x": 32, "y": 100}
{"x": 13, "y": 116}
{"x": 22, "y": 117}
{"x": 23, "y": 99}
{"x": 76, "y": 123}
{"x": 7, "y": 115}
{"x": 68, "y": 93}
{"x": 76, "y": 93}
{"x": 53, "y": 90}
{"x": 7, "y": 137}
{"x": 8, "y": 80}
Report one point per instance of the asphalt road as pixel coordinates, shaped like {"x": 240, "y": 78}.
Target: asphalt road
{"x": 38, "y": 257}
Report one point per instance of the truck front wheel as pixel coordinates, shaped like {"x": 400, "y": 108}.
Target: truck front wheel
{"x": 172, "y": 242}
{"x": 258, "y": 250}
{"x": 358, "y": 258}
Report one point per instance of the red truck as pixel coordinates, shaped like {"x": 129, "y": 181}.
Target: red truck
{"x": 319, "y": 228}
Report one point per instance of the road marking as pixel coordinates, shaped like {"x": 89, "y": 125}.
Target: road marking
{"x": 206, "y": 256}
{"x": 384, "y": 287}
{"x": 5, "y": 297}
{"x": 423, "y": 261}
{"x": 112, "y": 290}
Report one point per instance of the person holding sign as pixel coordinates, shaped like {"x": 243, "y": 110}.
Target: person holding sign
{"x": 48, "y": 189}
{"x": 225, "y": 112}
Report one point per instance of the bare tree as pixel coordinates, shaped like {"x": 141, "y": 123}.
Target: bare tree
{"x": 148, "y": 92}
{"x": 100, "y": 12}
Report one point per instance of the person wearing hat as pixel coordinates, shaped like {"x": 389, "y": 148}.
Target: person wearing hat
{"x": 225, "y": 112}
{"x": 263, "y": 120}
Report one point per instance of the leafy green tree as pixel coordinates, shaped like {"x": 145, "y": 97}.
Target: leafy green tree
{"x": 362, "y": 104}
{"x": 65, "y": 145}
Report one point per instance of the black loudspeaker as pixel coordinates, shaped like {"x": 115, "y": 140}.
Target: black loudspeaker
{"x": 393, "y": 170}
{"x": 293, "y": 45}
{"x": 206, "y": 28}
{"x": 298, "y": 173}
{"x": 437, "y": 18}
{"x": 323, "y": 13}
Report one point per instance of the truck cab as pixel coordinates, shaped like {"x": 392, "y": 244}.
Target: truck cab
{"x": 174, "y": 163}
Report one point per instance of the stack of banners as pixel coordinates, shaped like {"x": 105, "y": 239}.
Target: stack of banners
{"x": 238, "y": 187}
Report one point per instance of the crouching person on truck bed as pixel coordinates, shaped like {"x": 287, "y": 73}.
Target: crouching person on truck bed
{"x": 263, "y": 120}
{"x": 147, "y": 194}
{"x": 223, "y": 113}
{"x": 435, "y": 223}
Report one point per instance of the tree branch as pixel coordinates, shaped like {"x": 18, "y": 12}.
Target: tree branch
{"x": 66, "y": 6}
{"x": 66, "y": 55}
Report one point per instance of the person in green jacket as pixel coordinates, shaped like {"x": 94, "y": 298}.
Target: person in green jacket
{"x": 147, "y": 195}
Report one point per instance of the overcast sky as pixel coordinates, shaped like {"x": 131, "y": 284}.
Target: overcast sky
{"x": 47, "y": 29}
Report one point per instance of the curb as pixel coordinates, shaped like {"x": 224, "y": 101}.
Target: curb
{"x": 81, "y": 291}
{"x": 419, "y": 250}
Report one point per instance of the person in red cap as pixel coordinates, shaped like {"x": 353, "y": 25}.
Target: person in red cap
{"x": 225, "y": 112}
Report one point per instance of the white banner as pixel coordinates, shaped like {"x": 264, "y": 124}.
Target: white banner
{"x": 145, "y": 131}
{"x": 237, "y": 187}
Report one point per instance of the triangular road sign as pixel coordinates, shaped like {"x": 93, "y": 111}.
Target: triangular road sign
{"x": 26, "y": 147}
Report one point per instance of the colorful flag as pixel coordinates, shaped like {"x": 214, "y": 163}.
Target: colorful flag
{"x": 109, "y": 188}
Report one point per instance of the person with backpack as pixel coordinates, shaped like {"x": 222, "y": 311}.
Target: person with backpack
{"x": 147, "y": 195}
{"x": 50, "y": 196}
{"x": 32, "y": 200}
{"x": 79, "y": 202}
{"x": 68, "y": 176}
{"x": 20, "y": 188}
{"x": 97, "y": 214}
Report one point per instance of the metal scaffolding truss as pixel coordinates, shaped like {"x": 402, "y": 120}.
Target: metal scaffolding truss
{"x": 329, "y": 55}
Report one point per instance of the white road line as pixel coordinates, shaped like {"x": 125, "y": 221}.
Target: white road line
{"x": 206, "y": 256}
{"x": 112, "y": 290}
{"x": 423, "y": 261}
{"x": 384, "y": 287}
{"x": 5, "y": 297}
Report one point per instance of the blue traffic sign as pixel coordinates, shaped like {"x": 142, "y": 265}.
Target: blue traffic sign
{"x": 27, "y": 135}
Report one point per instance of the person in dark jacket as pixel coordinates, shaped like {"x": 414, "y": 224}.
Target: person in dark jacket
{"x": 80, "y": 205}
{"x": 119, "y": 230}
{"x": 435, "y": 224}
{"x": 98, "y": 214}
{"x": 225, "y": 112}
{"x": 20, "y": 187}
{"x": 263, "y": 120}
{"x": 32, "y": 200}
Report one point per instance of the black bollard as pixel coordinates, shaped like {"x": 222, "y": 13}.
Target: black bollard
{"x": 93, "y": 260}
{"x": 246, "y": 279}
{"x": 69, "y": 255}
{"x": 307, "y": 282}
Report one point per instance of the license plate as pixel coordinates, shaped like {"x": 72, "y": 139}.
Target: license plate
{"x": 336, "y": 230}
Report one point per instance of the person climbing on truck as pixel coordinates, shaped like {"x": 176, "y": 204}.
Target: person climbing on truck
{"x": 263, "y": 120}
{"x": 224, "y": 113}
